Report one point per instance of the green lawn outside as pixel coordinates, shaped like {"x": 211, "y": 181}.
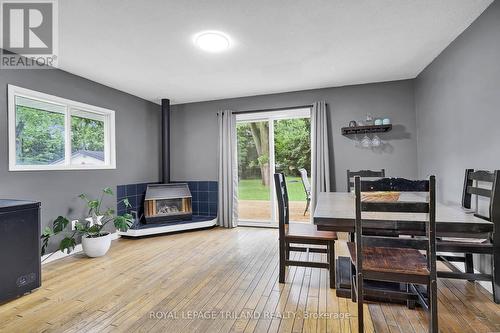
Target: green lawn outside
{"x": 252, "y": 189}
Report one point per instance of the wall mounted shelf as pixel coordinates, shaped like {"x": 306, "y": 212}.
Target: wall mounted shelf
{"x": 366, "y": 129}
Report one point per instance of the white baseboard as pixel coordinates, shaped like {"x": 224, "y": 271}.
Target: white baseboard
{"x": 59, "y": 255}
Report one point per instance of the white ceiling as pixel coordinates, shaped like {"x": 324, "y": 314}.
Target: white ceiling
{"x": 144, "y": 47}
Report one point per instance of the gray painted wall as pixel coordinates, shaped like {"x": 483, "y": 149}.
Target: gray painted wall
{"x": 457, "y": 102}
{"x": 137, "y": 148}
{"x": 457, "y": 99}
{"x": 194, "y": 129}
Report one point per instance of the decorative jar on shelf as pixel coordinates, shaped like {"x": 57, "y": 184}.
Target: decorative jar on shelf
{"x": 369, "y": 119}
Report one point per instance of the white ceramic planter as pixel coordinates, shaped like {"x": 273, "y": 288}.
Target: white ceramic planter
{"x": 96, "y": 247}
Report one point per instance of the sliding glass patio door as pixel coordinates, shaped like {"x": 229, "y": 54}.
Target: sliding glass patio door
{"x": 270, "y": 142}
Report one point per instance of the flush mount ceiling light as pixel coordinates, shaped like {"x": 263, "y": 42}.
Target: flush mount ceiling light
{"x": 212, "y": 41}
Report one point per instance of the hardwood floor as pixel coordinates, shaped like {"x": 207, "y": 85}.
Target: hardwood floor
{"x": 218, "y": 280}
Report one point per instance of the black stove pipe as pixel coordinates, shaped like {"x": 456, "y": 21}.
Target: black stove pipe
{"x": 165, "y": 140}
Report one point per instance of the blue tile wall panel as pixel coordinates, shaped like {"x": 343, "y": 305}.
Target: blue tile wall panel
{"x": 205, "y": 197}
{"x": 203, "y": 186}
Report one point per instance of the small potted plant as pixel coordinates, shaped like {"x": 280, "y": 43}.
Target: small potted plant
{"x": 95, "y": 241}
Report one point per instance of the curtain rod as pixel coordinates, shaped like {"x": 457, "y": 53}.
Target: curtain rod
{"x": 275, "y": 109}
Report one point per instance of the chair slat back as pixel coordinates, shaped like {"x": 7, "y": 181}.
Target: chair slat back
{"x": 482, "y": 175}
{"x": 282, "y": 196}
{"x": 471, "y": 187}
{"x": 362, "y": 174}
{"x": 394, "y": 184}
{"x": 305, "y": 181}
{"x": 395, "y": 207}
{"x": 429, "y": 207}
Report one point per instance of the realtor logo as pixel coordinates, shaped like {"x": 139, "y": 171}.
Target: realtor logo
{"x": 29, "y": 34}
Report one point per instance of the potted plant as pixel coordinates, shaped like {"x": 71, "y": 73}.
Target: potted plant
{"x": 95, "y": 241}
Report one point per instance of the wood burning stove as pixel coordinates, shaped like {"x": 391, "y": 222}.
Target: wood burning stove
{"x": 167, "y": 207}
{"x": 168, "y": 203}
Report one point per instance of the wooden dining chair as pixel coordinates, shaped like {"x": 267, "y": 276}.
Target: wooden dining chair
{"x": 391, "y": 259}
{"x": 362, "y": 174}
{"x": 301, "y": 233}
{"x": 489, "y": 191}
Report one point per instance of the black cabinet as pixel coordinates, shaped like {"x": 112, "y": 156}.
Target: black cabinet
{"x": 20, "y": 267}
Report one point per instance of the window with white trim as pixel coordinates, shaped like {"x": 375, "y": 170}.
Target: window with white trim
{"x": 52, "y": 133}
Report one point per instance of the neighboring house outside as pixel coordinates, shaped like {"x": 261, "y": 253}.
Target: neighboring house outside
{"x": 84, "y": 157}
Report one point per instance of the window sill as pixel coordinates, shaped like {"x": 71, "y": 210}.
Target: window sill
{"x": 62, "y": 168}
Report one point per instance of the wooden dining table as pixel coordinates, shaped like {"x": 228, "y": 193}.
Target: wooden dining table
{"x": 335, "y": 211}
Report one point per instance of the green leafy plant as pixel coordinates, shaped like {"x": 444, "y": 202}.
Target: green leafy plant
{"x": 99, "y": 218}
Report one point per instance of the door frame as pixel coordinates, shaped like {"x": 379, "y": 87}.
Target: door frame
{"x": 270, "y": 117}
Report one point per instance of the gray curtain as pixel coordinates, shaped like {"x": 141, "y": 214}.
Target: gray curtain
{"x": 228, "y": 170}
{"x": 320, "y": 152}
